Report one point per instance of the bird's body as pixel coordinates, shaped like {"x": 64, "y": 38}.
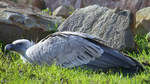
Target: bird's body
{"x": 70, "y": 49}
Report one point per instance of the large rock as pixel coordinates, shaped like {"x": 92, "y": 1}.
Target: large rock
{"x": 142, "y": 21}
{"x": 34, "y": 4}
{"x": 133, "y": 5}
{"x": 20, "y": 23}
{"x": 113, "y": 26}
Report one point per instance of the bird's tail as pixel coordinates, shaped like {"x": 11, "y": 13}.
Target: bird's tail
{"x": 114, "y": 61}
{"x": 124, "y": 63}
{"x": 139, "y": 66}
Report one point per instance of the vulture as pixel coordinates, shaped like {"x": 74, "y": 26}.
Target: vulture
{"x": 74, "y": 49}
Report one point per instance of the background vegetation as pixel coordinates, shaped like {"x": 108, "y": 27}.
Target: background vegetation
{"x": 14, "y": 71}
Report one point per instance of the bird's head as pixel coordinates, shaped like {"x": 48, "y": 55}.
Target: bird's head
{"x": 19, "y": 46}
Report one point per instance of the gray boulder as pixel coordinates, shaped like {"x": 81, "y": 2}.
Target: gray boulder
{"x": 142, "y": 21}
{"x": 112, "y": 26}
{"x": 20, "y": 23}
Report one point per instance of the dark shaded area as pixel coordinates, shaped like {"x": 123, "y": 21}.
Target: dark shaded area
{"x": 10, "y": 33}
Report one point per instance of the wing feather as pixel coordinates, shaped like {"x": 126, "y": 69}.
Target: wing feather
{"x": 70, "y": 49}
{"x": 66, "y": 50}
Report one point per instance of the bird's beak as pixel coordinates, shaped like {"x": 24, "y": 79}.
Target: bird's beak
{"x": 7, "y": 48}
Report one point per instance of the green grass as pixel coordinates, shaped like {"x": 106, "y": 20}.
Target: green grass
{"x": 14, "y": 71}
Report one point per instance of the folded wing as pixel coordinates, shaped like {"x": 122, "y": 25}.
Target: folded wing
{"x": 67, "y": 50}
{"x": 70, "y": 49}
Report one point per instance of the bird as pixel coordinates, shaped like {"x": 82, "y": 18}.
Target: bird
{"x": 74, "y": 49}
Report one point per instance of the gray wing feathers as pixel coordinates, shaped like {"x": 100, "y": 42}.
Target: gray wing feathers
{"x": 65, "y": 49}
{"x": 70, "y": 49}
{"x": 117, "y": 58}
{"x": 83, "y": 35}
{"x": 80, "y": 52}
{"x": 112, "y": 59}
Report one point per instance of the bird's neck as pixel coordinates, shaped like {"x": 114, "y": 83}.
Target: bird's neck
{"x": 25, "y": 58}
